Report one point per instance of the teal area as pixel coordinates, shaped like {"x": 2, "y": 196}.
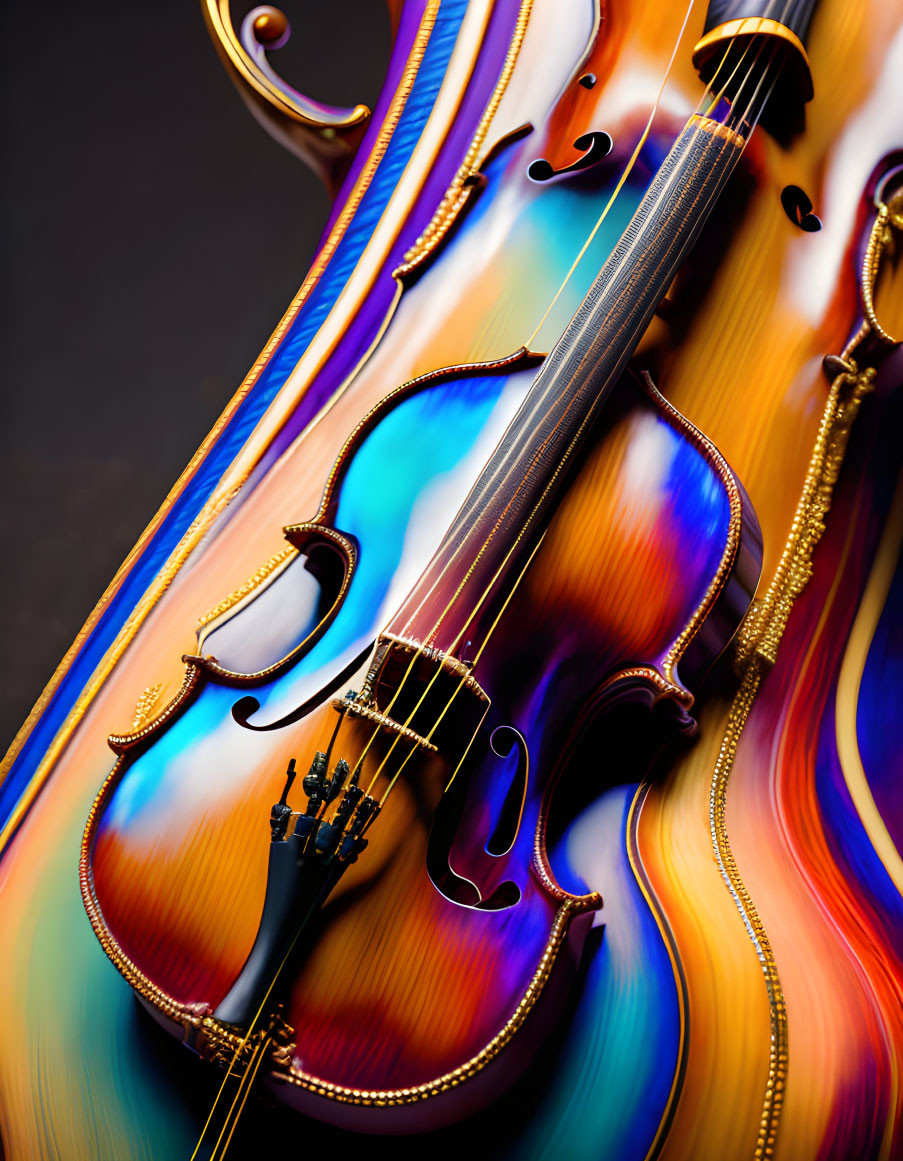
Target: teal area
{"x": 378, "y": 496}
{"x": 554, "y": 220}
{"x": 142, "y": 1097}
{"x": 608, "y": 1091}
{"x": 98, "y": 1089}
{"x": 416, "y": 112}
{"x": 610, "y": 1084}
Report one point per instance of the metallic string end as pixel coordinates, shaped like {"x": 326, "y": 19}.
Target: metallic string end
{"x": 282, "y": 812}
{"x": 325, "y": 137}
{"x": 342, "y": 836}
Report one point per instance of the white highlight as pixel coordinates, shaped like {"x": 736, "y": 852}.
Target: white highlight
{"x": 874, "y": 131}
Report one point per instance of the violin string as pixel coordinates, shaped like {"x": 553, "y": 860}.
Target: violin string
{"x": 716, "y": 97}
{"x": 495, "y": 481}
{"x": 617, "y": 190}
{"x": 501, "y": 479}
{"x": 499, "y": 571}
{"x": 439, "y": 670}
{"x": 250, "y": 1031}
{"x": 501, "y": 567}
{"x": 463, "y": 680}
{"x": 486, "y": 592}
{"x": 622, "y": 179}
{"x": 422, "y": 645}
{"x": 245, "y": 1088}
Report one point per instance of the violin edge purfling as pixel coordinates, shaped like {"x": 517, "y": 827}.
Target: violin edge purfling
{"x": 536, "y": 452}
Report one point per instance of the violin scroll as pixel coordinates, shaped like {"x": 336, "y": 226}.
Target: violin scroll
{"x": 323, "y": 136}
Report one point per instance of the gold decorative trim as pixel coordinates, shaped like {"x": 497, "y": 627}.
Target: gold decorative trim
{"x": 217, "y": 503}
{"x": 189, "y": 1015}
{"x": 517, "y": 360}
{"x": 649, "y": 675}
{"x": 732, "y": 543}
{"x": 248, "y": 586}
{"x": 198, "y": 1018}
{"x": 299, "y": 534}
{"x": 715, "y": 128}
{"x": 720, "y": 466}
{"x": 543, "y": 870}
{"x": 446, "y": 661}
{"x": 465, "y": 181}
{"x": 756, "y": 651}
{"x": 219, "y": 21}
{"x": 777, "y": 1064}
{"x": 881, "y": 242}
{"x": 762, "y": 628}
{"x": 760, "y": 634}
{"x": 358, "y": 710}
{"x": 149, "y": 726}
{"x": 389, "y": 1098}
{"x": 324, "y": 137}
{"x": 195, "y": 1015}
{"x": 310, "y": 531}
{"x": 631, "y": 836}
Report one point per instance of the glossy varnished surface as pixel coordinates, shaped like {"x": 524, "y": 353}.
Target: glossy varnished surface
{"x": 746, "y": 370}
{"x": 158, "y": 867}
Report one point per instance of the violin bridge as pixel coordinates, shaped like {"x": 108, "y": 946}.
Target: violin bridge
{"x": 445, "y": 661}
{"x": 372, "y": 714}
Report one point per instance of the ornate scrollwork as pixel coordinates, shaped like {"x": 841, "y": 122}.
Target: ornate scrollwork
{"x": 324, "y": 136}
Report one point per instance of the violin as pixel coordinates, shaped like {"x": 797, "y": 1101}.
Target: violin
{"x": 413, "y": 926}
{"x": 521, "y": 570}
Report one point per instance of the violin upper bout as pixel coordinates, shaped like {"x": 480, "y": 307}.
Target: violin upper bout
{"x": 732, "y": 585}
{"x": 282, "y": 610}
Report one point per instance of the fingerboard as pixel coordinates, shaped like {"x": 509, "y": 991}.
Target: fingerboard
{"x": 511, "y": 502}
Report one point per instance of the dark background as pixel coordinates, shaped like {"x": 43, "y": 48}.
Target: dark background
{"x": 152, "y": 237}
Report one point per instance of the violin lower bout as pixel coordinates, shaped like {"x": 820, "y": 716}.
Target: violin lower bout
{"x": 411, "y": 1008}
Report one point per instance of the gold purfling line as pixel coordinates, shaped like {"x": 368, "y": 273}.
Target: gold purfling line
{"x": 178, "y": 1012}
{"x": 214, "y": 506}
{"x": 757, "y": 646}
{"x": 457, "y": 193}
{"x": 667, "y": 936}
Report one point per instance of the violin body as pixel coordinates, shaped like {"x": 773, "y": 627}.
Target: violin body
{"x": 484, "y": 929}
{"x": 659, "y": 989}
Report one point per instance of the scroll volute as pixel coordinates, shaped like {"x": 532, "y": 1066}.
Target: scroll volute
{"x": 324, "y": 136}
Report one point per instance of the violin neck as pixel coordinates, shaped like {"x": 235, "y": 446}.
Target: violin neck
{"x": 510, "y": 505}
